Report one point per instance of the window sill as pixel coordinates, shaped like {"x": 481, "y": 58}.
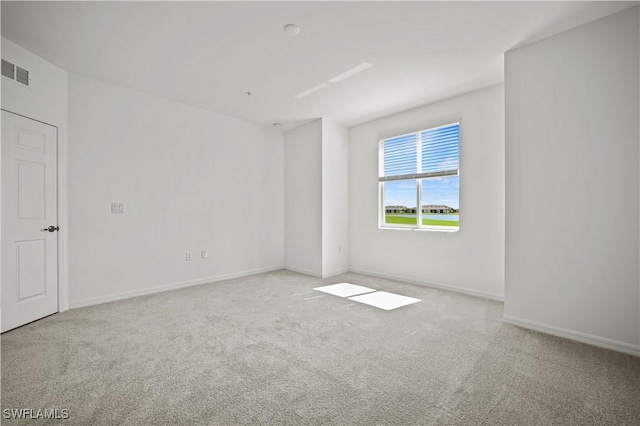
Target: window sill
{"x": 446, "y": 229}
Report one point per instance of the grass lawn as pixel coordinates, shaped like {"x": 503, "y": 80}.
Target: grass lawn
{"x": 412, "y": 221}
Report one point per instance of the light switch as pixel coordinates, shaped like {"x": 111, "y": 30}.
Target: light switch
{"x": 117, "y": 207}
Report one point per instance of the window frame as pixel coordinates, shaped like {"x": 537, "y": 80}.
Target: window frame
{"x": 417, "y": 178}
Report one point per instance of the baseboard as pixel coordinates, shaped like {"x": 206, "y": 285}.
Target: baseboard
{"x": 470, "y": 292}
{"x": 336, "y": 272}
{"x": 590, "y": 339}
{"x": 167, "y": 287}
{"x": 315, "y": 274}
{"x": 302, "y": 271}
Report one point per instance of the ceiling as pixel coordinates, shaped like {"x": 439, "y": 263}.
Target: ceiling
{"x": 210, "y": 54}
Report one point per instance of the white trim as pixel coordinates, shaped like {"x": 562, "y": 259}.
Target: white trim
{"x": 427, "y": 228}
{"x": 315, "y": 274}
{"x": 590, "y": 339}
{"x": 61, "y": 200}
{"x": 334, "y": 273}
{"x": 63, "y": 219}
{"x": 468, "y": 291}
{"x": 302, "y": 271}
{"x": 167, "y": 287}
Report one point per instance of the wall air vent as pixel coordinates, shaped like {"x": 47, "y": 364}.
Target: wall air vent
{"x": 14, "y": 72}
{"x": 8, "y": 69}
{"x": 22, "y": 76}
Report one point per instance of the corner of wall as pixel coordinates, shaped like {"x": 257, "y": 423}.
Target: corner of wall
{"x": 578, "y": 277}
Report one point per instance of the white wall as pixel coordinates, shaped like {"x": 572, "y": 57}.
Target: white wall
{"x": 471, "y": 260}
{"x": 572, "y": 226}
{"x": 335, "y": 198}
{"x": 46, "y": 97}
{"x": 316, "y": 198}
{"x": 190, "y": 180}
{"x": 45, "y": 100}
{"x": 303, "y": 198}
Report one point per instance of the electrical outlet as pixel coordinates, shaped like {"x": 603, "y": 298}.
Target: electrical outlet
{"x": 204, "y": 254}
{"x": 117, "y": 207}
{"x": 188, "y": 256}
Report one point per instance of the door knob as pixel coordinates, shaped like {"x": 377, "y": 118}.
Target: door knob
{"x": 51, "y": 228}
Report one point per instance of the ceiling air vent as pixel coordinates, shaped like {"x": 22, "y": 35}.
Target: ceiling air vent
{"x": 8, "y": 69}
{"x": 15, "y": 72}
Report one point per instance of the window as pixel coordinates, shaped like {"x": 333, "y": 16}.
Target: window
{"x": 419, "y": 179}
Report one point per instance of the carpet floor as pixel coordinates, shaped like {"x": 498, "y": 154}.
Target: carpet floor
{"x": 268, "y": 349}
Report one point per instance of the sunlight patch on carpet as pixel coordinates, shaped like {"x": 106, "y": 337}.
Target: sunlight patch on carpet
{"x": 344, "y": 289}
{"x": 384, "y": 300}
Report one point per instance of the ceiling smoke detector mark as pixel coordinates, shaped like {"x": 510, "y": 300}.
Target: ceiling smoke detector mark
{"x": 312, "y": 90}
{"x": 291, "y": 29}
{"x": 350, "y": 73}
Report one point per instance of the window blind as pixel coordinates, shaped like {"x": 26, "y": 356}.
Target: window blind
{"x": 428, "y": 153}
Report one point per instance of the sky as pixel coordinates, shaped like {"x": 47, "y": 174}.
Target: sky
{"x": 441, "y": 190}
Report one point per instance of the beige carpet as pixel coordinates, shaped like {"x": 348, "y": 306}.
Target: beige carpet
{"x": 267, "y": 349}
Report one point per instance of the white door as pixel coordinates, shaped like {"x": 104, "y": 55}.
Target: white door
{"x": 29, "y": 207}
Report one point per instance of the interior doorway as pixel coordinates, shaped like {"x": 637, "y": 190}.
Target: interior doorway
{"x": 29, "y": 288}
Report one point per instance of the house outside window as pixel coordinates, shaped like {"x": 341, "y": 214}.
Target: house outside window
{"x": 419, "y": 179}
